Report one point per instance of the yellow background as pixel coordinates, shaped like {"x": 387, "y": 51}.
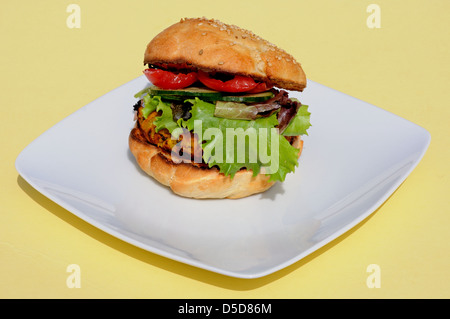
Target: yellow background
{"x": 48, "y": 71}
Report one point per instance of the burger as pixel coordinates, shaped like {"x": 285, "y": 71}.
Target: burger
{"x": 216, "y": 119}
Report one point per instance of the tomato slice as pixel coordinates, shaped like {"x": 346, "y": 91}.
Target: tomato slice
{"x": 261, "y": 87}
{"x": 170, "y": 80}
{"x": 238, "y": 84}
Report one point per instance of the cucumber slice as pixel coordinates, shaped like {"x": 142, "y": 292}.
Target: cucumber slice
{"x": 187, "y": 93}
{"x": 209, "y": 95}
{"x": 248, "y": 98}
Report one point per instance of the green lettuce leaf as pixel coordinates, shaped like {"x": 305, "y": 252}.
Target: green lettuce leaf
{"x": 250, "y": 144}
{"x": 300, "y": 123}
{"x": 237, "y": 148}
{"x": 142, "y": 92}
{"x": 165, "y": 120}
{"x": 150, "y": 104}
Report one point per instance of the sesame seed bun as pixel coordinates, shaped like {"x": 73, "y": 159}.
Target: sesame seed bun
{"x": 211, "y": 45}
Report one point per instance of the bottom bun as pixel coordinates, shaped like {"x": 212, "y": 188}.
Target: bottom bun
{"x": 196, "y": 182}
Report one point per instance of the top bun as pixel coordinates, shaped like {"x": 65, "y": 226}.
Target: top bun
{"x": 211, "y": 45}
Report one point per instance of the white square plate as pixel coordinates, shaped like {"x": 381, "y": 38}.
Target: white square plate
{"x": 354, "y": 158}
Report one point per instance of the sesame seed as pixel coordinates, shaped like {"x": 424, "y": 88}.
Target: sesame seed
{"x": 200, "y": 52}
{"x": 221, "y": 62}
{"x": 231, "y": 29}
